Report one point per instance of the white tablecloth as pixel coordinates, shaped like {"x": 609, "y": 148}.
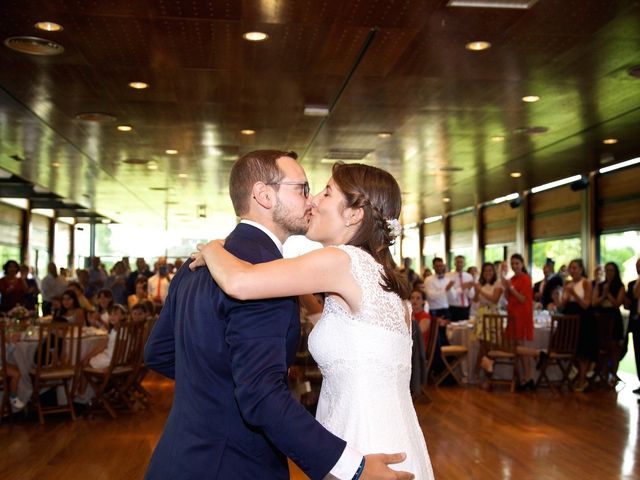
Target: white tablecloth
{"x": 23, "y": 353}
{"x": 463, "y": 333}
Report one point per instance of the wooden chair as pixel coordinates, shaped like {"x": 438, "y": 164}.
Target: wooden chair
{"x": 500, "y": 348}
{"x": 143, "y": 370}
{"x": 604, "y": 331}
{"x": 430, "y": 353}
{"x": 57, "y": 363}
{"x": 114, "y": 383}
{"x": 561, "y": 350}
{"x": 5, "y": 406}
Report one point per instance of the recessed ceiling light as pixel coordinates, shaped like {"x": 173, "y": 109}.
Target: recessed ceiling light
{"x": 152, "y": 166}
{"x": 139, "y": 85}
{"x": 34, "y": 46}
{"x": 183, "y": 175}
{"x": 106, "y": 221}
{"x": 171, "y": 151}
{"x": 516, "y": 174}
{"x": 48, "y": 26}
{"x": 247, "y": 132}
{"x": 125, "y": 128}
{"x": 530, "y": 98}
{"x": 384, "y": 134}
{"x": 316, "y": 110}
{"x": 497, "y": 138}
{"x": 446, "y": 199}
{"x": 477, "y": 46}
{"x": 610, "y": 141}
{"x": 255, "y": 36}
{"x": 55, "y": 164}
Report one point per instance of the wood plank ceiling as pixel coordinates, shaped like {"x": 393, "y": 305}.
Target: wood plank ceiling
{"x": 445, "y": 107}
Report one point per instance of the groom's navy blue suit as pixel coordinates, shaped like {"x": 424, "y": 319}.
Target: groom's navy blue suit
{"x": 233, "y": 416}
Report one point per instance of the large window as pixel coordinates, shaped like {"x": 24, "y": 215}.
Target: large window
{"x": 622, "y": 249}
{"x": 561, "y": 251}
{"x": 411, "y": 246}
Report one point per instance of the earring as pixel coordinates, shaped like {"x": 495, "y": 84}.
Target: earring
{"x": 348, "y": 224}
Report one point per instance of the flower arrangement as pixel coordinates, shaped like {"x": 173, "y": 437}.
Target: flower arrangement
{"x": 20, "y": 313}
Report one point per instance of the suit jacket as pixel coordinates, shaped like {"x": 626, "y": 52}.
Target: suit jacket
{"x": 633, "y": 303}
{"x": 551, "y": 284}
{"x": 233, "y": 415}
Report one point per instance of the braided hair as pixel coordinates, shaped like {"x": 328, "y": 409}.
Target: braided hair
{"x": 378, "y": 194}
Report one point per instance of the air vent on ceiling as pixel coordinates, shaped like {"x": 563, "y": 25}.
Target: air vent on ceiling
{"x": 450, "y": 169}
{"x": 34, "y": 46}
{"x": 97, "y": 117}
{"x": 159, "y": 189}
{"x": 531, "y": 130}
{"x": 507, "y": 4}
{"x": 347, "y": 154}
{"x": 136, "y": 161}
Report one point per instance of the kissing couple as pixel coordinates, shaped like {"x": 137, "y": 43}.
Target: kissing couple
{"x": 228, "y": 333}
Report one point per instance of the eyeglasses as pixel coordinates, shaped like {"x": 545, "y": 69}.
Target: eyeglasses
{"x": 304, "y": 185}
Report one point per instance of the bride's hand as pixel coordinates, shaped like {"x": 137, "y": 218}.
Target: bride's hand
{"x": 198, "y": 257}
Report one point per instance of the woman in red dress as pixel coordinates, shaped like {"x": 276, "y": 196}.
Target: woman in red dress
{"x": 519, "y": 294}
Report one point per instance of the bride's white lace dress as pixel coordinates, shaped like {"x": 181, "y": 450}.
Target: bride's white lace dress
{"x": 365, "y": 360}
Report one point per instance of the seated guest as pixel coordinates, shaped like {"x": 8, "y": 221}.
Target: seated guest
{"x": 13, "y": 373}
{"x": 104, "y": 303}
{"x": 84, "y": 301}
{"x": 418, "y": 313}
{"x": 141, "y": 293}
{"x": 149, "y": 307}
{"x": 103, "y": 358}
{"x": 142, "y": 271}
{"x": 56, "y": 306}
{"x": 71, "y": 310}
{"x": 117, "y": 283}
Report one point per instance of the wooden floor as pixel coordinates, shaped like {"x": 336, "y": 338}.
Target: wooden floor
{"x": 471, "y": 434}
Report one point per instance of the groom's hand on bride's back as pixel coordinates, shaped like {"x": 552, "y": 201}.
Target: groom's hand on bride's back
{"x": 376, "y": 467}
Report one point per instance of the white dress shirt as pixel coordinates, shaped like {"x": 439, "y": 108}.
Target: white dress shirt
{"x": 458, "y": 296}
{"x": 435, "y": 287}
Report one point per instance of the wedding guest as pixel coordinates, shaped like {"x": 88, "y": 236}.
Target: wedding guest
{"x": 97, "y": 277}
{"x": 576, "y": 300}
{"x": 419, "y": 314}
{"x": 598, "y": 275}
{"x": 99, "y": 318}
{"x": 426, "y": 272}
{"x": 51, "y": 286}
{"x": 12, "y": 372}
{"x": 542, "y": 290}
{"x": 117, "y": 283}
{"x": 79, "y": 291}
{"x": 142, "y": 271}
{"x": 459, "y": 295}
{"x": 519, "y": 294}
{"x": 606, "y": 300}
{"x": 488, "y": 292}
{"x": 632, "y": 304}
{"x": 87, "y": 292}
{"x": 12, "y": 288}
{"x": 436, "y": 287}
{"x": 141, "y": 292}
{"x": 30, "y": 299}
{"x": 473, "y": 271}
{"x": 71, "y": 310}
{"x": 158, "y": 284}
{"x": 103, "y": 359}
{"x": 409, "y": 273}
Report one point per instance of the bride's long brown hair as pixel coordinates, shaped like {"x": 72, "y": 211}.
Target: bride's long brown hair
{"x": 378, "y": 194}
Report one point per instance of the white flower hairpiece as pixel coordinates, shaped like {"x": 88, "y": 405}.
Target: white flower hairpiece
{"x": 394, "y": 227}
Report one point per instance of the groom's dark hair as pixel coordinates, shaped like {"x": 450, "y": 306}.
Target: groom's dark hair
{"x": 256, "y": 166}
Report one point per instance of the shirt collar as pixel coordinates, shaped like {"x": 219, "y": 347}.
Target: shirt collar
{"x": 275, "y": 239}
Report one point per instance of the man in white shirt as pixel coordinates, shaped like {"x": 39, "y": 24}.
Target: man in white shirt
{"x": 436, "y": 287}
{"x": 53, "y": 285}
{"x": 461, "y": 292}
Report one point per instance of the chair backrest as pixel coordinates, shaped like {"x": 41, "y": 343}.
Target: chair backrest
{"x": 494, "y": 333}
{"x": 430, "y": 346}
{"x": 127, "y": 350}
{"x": 563, "y": 337}
{"x": 3, "y": 354}
{"x": 60, "y": 346}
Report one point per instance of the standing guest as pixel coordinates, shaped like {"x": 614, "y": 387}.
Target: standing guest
{"x": 576, "y": 300}
{"x": 632, "y": 304}
{"x": 142, "y": 270}
{"x": 419, "y": 314}
{"x": 408, "y": 272}
{"x": 598, "y": 275}
{"x": 436, "y": 287}
{"x": 488, "y": 292}
{"x": 30, "y": 299}
{"x": 461, "y": 292}
{"x": 141, "y": 293}
{"x": 117, "y": 283}
{"x": 52, "y": 285}
{"x": 158, "y": 284}
{"x": 473, "y": 271}
{"x": 607, "y": 298}
{"x": 519, "y": 294}
{"x": 97, "y": 277}
{"x": 71, "y": 310}
{"x": 543, "y": 289}
{"x": 426, "y": 273}
{"x": 177, "y": 264}
{"x": 12, "y": 288}
{"x": 127, "y": 266}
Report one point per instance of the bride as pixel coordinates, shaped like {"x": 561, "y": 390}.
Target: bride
{"x": 362, "y": 342}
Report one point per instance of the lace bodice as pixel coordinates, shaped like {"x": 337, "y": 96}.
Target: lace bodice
{"x": 365, "y": 360}
{"x": 379, "y": 307}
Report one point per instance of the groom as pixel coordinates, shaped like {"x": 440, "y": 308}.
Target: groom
{"x": 233, "y": 416}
